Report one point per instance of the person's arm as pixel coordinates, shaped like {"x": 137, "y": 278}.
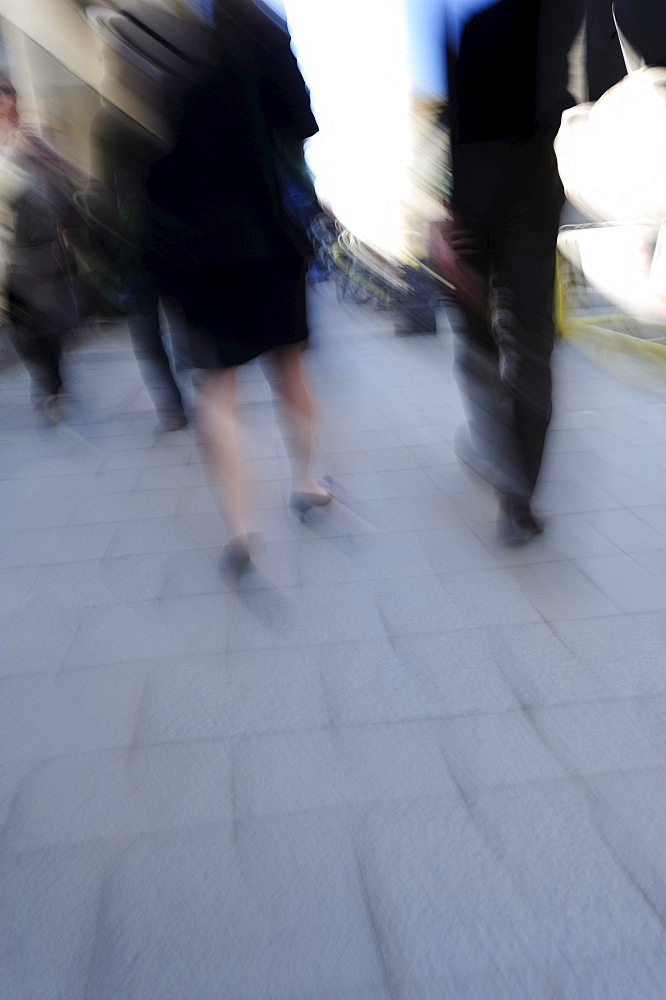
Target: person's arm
{"x": 285, "y": 97}
{"x": 286, "y": 104}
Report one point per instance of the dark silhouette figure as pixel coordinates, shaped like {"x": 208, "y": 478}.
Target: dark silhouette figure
{"x": 36, "y": 211}
{"x": 225, "y": 246}
{"x": 508, "y": 76}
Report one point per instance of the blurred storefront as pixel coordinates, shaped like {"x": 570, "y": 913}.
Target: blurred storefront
{"x": 52, "y": 55}
{"x": 372, "y": 142}
{"x": 53, "y": 52}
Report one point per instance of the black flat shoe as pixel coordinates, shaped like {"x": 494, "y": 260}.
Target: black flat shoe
{"x": 517, "y": 522}
{"x": 235, "y": 559}
{"x": 301, "y": 503}
{"x": 170, "y": 423}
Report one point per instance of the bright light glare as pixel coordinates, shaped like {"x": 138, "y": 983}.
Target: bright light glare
{"x": 617, "y": 261}
{"x": 353, "y": 54}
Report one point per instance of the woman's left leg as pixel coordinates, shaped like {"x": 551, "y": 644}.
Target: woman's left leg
{"x": 219, "y": 428}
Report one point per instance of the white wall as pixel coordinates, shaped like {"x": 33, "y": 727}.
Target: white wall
{"x": 62, "y": 30}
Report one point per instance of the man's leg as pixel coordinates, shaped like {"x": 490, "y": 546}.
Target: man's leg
{"x": 154, "y": 364}
{"x": 524, "y": 315}
{"x": 46, "y": 355}
{"x": 480, "y": 172}
{"x": 509, "y": 197}
{"x": 486, "y": 447}
{"x": 42, "y": 357}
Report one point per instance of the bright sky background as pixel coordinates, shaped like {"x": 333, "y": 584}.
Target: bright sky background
{"x": 422, "y": 21}
{"x": 361, "y": 60}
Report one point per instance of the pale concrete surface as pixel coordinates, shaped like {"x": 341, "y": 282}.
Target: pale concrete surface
{"x": 398, "y": 762}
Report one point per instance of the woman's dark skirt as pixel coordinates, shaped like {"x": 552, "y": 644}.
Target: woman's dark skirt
{"x": 241, "y": 310}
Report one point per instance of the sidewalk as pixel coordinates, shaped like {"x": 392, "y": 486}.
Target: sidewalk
{"x": 398, "y": 762}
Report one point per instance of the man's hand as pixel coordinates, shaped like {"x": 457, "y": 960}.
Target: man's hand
{"x": 450, "y": 248}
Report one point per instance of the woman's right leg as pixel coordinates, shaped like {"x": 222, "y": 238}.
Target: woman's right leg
{"x": 298, "y": 414}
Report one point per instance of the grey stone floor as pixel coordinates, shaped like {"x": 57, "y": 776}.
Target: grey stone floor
{"x": 398, "y": 762}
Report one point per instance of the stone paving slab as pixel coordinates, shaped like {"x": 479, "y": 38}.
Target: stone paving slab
{"x": 398, "y": 762}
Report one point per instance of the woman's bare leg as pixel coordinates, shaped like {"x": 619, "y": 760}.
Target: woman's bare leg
{"x": 219, "y": 427}
{"x": 289, "y": 383}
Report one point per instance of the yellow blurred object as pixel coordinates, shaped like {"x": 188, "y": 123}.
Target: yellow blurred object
{"x": 614, "y": 340}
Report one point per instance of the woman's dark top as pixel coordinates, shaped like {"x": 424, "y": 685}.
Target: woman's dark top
{"x": 219, "y": 186}
{"x": 221, "y": 241}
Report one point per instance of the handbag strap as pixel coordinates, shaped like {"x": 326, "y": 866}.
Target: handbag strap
{"x": 633, "y": 60}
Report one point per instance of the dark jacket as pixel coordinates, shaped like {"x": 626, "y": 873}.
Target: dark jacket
{"x": 117, "y": 207}
{"x": 39, "y": 284}
{"x": 507, "y": 68}
{"x": 217, "y": 197}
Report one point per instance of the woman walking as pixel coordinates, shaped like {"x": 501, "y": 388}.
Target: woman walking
{"x": 224, "y": 245}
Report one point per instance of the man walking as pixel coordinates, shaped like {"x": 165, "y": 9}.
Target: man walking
{"x": 507, "y": 66}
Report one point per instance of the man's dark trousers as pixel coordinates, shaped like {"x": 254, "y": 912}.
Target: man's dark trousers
{"x": 508, "y": 196}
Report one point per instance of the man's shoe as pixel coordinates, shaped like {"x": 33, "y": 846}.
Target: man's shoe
{"x": 48, "y": 411}
{"x": 171, "y": 422}
{"x": 517, "y": 522}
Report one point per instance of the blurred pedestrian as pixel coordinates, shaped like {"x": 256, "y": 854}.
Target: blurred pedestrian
{"x": 150, "y": 55}
{"x": 225, "y": 247}
{"x": 508, "y": 86}
{"x": 36, "y": 291}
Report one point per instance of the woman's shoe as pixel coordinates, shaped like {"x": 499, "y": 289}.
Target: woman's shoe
{"x": 302, "y": 502}
{"x": 170, "y": 422}
{"x": 517, "y": 522}
{"x": 235, "y": 559}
